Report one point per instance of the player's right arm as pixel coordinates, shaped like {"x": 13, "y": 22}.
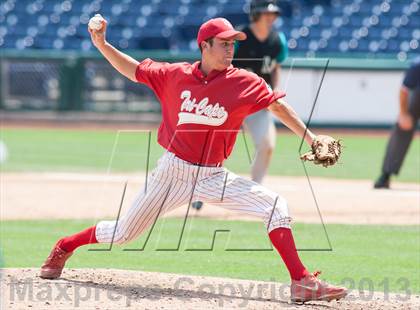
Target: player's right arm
{"x": 123, "y": 63}
{"x": 405, "y": 120}
{"x": 410, "y": 82}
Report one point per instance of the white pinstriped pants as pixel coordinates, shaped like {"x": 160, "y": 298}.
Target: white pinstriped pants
{"x": 171, "y": 185}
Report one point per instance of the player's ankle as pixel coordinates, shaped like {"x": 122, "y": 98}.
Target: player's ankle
{"x": 62, "y": 244}
{"x": 299, "y": 276}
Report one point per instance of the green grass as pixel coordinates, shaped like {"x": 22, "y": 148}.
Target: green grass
{"x": 376, "y": 253}
{"x": 89, "y": 150}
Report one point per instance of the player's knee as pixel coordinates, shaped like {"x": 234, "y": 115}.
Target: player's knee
{"x": 270, "y": 150}
{"x": 278, "y": 215}
{"x": 123, "y": 236}
{"x": 284, "y": 222}
{"x": 122, "y": 239}
{"x": 266, "y": 148}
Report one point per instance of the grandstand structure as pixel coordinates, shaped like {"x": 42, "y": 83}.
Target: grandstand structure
{"x": 312, "y": 27}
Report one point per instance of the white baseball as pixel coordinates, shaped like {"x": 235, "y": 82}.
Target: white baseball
{"x": 95, "y": 22}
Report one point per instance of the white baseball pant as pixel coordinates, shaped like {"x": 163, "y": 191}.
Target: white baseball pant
{"x": 171, "y": 185}
{"x": 263, "y": 132}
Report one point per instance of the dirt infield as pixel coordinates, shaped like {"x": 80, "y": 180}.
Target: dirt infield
{"x": 117, "y": 289}
{"x": 97, "y": 196}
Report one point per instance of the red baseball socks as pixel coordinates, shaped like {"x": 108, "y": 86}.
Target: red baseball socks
{"x": 282, "y": 239}
{"x": 70, "y": 243}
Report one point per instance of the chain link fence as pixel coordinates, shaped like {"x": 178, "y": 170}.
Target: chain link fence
{"x": 41, "y": 81}
{"x": 106, "y": 90}
{"x": 30, "y": 85}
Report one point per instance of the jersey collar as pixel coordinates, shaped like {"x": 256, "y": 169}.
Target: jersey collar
{"x": 212, "y": 75}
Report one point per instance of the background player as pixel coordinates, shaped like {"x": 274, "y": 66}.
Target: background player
{"x": 261, "y": 53}
{"x": 403, "y": 131}
{"x": 203, "y": 107}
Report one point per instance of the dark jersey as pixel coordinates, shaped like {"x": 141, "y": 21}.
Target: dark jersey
{"x": 412, "y": 82}
{"x": 412, "y": 76}
{"x": 260, "y": 57}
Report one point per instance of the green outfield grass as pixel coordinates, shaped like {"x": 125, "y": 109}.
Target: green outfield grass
{"x": 380, "y": 255}
{"x": 89, "y": 150}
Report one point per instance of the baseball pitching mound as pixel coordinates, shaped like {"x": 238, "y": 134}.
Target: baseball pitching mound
{"x": 123, "y": 289}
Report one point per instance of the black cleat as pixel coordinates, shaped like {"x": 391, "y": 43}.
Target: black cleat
{"x": 382, "y": 182}
{"x": 197, "y": 205}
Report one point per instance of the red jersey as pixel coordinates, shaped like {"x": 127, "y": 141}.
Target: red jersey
{"x": 201, "y": 116}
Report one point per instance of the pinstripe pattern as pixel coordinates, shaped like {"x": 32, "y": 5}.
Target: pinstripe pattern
{"x": 176, "y": 179}
{"x": 245, "y": 196}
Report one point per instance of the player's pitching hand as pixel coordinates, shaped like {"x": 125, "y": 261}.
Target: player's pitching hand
{"x": 98, "y": 36}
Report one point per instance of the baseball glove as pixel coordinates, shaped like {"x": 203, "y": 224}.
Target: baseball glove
{"x": 325, "y": 151}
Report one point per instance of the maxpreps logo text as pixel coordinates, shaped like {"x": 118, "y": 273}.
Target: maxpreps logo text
{"x": 201, "y": 112}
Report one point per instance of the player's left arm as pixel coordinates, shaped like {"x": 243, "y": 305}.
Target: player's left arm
{"x": 283, "y": 54}
{"x": 275, "y": 76}
{"x": 288, "y": 116}
{"x": 411, "y": 79}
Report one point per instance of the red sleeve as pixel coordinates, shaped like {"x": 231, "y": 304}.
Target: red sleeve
{"x": 152, "y": 73}
{"x": 259, "y": 95}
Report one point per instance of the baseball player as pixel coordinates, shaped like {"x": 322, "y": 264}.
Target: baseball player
{"x": 261, "y": 53}
{"x": 403, "y": 132}
{"x": 203, "y": 107}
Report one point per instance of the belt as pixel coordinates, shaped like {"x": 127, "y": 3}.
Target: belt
{"x": 207, "y": 165}
{"x": 219, "y": 164}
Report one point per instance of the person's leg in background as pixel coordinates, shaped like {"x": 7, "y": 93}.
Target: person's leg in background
{"x": 398, "y": 144}
{"x": 263, "y": 132}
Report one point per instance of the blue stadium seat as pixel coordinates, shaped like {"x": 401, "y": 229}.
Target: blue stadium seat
{"x": 333, "y": 44}
{"x": 72, "y": 44}
{"x": 363, "y": 45}
{"x": 302, "y": 45}
{"x": 234, "y": 7}
{"x": 385, "y": 20}
{"x": 414, "y": 21}
{"x": 77, "y": 7}
{"x": 315, "y": 32}
{"x": 393, "y": 46}
{"x": 236, "y": 18}
{"x": 375, "y": 33}
{"x": 9, "y": 41}
{"x": 325, "y": 21}
{"x": 43, "y": 42}
{"x": 188, "y": 32}
{"x": 151, "y": 43}
{"x": 345, "y": 32}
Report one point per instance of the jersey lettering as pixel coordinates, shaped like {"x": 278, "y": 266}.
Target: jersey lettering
{"x": 201, "y": 112}
{"x": 268, "y": 65}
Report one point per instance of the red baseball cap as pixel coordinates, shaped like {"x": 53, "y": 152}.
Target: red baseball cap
{"x": 220, "y": 28}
